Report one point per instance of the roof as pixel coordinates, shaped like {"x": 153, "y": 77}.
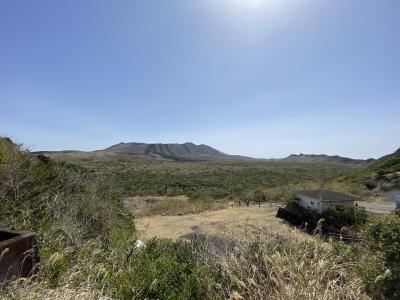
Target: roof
{"x": 327, "y": 195}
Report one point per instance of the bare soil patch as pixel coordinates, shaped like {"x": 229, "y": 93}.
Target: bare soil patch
{"x": 238, "y": 222}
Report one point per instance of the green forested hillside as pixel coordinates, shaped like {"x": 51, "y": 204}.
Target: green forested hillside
{"x": 379, "y": 176}
{"x": 387, "y": 164}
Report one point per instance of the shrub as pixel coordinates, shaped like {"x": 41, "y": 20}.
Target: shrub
{"x": 348, "y": 215}
{"x": 336, "y": 218}
{"x": 256, "y": 196}
{"x": 383, "y": 236}
{"x": 371, "y": 184}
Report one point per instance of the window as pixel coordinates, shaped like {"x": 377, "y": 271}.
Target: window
{"x": 312, "y": 202}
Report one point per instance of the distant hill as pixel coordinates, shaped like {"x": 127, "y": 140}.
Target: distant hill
{"x": 387, "y": 164}
{"x": 59, "y": 152}
{"x": 176, "y": 152}
{"x": 383, "y": 176}
{"x": 327, "y": 158}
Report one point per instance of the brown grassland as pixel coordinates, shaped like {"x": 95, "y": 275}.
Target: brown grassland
{"x": 241, "y": 222}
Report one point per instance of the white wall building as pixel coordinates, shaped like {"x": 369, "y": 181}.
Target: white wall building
{"x": 322, "y": 200}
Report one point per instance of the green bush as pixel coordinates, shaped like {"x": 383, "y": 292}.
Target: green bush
{"x": 361, "y": 262}
{"x": 67, "y": 206}
{"x": 383, "y": 236}
{"x": 376, "y": 259}
{"x": 348, "y": 215}
{"x": 337, "y": 217}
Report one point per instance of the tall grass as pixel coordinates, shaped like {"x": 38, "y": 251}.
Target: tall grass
{"x": 267, "y": 268}
{"x": 278, "y": 269}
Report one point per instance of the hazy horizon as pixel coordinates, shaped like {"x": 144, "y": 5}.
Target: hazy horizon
{"x": 258, "y": 78}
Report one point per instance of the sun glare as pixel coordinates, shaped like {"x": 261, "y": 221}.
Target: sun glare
{"x": 255, "y": 3}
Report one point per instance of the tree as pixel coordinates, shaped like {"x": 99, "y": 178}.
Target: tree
{"x": 247, "y": 198}
{"x": 256, "y": 196}
{"x": 259, "y": 197}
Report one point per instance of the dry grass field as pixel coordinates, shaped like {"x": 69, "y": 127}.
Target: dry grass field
{"x": 148, "y": 206}
{"x": 240, "y": 222}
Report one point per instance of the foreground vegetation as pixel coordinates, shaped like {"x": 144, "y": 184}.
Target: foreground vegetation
{"x": 89, "y": 249}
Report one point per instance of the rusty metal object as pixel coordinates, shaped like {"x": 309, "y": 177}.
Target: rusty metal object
{"x": 19, "y": 254}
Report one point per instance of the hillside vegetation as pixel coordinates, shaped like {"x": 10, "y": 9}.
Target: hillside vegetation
{"x": 136, "y": 174}
{"x": 379, "y": 177}
{"x": 88, "y": 248}
{"x": 387, "y": 164}
{"x": 200, "y": 171}
{"x": 327, "y": 159}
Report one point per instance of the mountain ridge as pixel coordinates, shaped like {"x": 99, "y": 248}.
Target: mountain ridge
{"x": 191, "y": 152}
{"x": 172, "y": 151}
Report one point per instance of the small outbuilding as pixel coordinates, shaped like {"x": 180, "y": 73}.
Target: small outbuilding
{"x": 322, "y": 200}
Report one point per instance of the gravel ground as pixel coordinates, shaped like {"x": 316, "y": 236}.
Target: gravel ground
{"x": 378, "y": 207}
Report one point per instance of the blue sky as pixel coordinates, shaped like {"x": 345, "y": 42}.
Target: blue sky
{"x": 263, "y": 78}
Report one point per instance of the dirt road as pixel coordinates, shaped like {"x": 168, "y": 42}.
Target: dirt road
{"x": 378, "y": 207}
